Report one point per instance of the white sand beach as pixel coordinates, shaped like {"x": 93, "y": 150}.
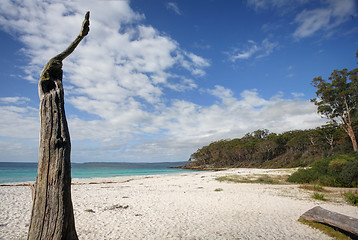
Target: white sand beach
{"x": 182, "y": 206}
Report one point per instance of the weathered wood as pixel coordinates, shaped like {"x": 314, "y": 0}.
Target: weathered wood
{"x": 337, "y": 220}
{"x": 52, "y": 212}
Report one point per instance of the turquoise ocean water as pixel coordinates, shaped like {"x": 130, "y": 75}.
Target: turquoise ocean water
{"x": 23, "y": 172}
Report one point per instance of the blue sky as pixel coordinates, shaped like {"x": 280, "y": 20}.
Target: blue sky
{"x": 156, "y": 80}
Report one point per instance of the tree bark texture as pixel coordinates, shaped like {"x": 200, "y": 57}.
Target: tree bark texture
{"x": 52, "y": 211}
{"x": 352, "y": 136}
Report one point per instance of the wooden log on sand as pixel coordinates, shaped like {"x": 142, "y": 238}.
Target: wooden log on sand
{"x": 333, "y": 219}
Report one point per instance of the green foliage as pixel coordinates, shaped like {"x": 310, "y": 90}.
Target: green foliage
{"x": 349, "y": 174}
{"x": 337, "y": 164}
{"x": 261, "y": 148}
{"x": 332, "y": 95}
{"x": 318, "y": 196}
{"x": 218, "y": 190}
{"x": 351, "y": 197}
{"x": 303, "y": 176}
{"x": 337, "y": 100}
{"x": 338, "y": 171}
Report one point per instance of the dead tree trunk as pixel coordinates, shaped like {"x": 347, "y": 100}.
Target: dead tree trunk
{"x": 52, "y": 212}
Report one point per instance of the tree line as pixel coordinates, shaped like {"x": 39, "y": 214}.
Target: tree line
{"x": 263, "y": 148}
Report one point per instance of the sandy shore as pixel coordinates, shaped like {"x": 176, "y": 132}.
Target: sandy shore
{"x": 183, "y": 206}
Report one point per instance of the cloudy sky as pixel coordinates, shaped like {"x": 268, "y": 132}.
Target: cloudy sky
{"x": 156, "y": 80}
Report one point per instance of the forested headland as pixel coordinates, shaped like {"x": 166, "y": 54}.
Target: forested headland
{"x": 262, "y": 148}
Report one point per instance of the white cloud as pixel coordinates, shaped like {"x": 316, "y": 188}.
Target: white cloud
{"x": 329, "y": 14}
{"x": 263, "y": 4}
{"x": 118, "y": 61}
{"x": 193, "y": 63}
{"x": 169, "y": 132}
{"x": 174, "y": 7}
{"x": 232, "y": 117}
{"x": 311, "y": 21}
{"x": 267, "y": 48}
{"x": 290, "y": 75}
{"x": 246, "y": 53}
{"x": 275, "y": 4}
{"x": 18, "y": 150}
{"x": 184, "y": 85}
{"x": 297, "y": 95}
{"x": 14, "y": 100}
{"x": 324, "y": 18}
{"x": 19, "y": 121}
{"x": 255, "y": 50}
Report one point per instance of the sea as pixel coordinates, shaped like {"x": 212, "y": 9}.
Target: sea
{"x": 12, "y": 172}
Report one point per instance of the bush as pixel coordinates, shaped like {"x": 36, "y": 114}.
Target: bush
{"x": 351, "y": 198}
{"x": 319, "y": 196}
{"x": 337, "y": 164}
{"x": 349, "y": 174}
{"x": 337, "y": 171}
{"x": 303, "y": 175}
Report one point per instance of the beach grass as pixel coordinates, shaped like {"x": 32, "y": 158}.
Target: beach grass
{"x": 330, "y": 231}
{"x": 316, "y": 188}
{"x": 319, "y": 196}
{"x": 255, "y": 178}
{"x": 351, "y": 197}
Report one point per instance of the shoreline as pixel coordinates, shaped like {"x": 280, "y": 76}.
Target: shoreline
{"x": 177, "y": 206}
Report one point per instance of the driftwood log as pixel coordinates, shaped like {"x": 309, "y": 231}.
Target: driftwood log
{"x": 52, "y": 211}
{"x": 333, "y": 219}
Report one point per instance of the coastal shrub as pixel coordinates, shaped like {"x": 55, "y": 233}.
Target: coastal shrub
{"x": 337, "y": 164}
{"x": 351, "y": 198}
{"x": 337, "y": 171}
{"x": 304, "y": 175}
{"x": 349, "y": 174}
{"x": 319, "y": 196}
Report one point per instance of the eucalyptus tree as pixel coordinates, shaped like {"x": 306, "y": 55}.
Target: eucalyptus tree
{"x": 337, "y": 100}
